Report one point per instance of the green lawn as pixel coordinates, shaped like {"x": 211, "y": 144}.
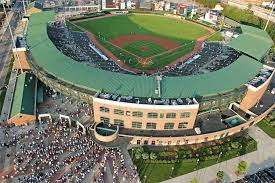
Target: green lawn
{"x": 180, "y": 31}
{"x": 72, "y": 27}
{"x": 152, "y": 48}
{"x": 216, "y": 37}
{"x": 111, "y": 27}
{"x": 161, "y": 170}
{"x": 268, "y": 126}
{"x": 165, "y": 59}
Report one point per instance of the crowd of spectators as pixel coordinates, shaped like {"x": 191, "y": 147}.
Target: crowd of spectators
{"x": 212, "y": 57}
{"x": 55, "y": 152}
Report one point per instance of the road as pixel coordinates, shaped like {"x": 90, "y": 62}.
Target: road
{"x": 262, "y": 158}
{"x": 258, "y": 11}
{"x": 6, "y": 45}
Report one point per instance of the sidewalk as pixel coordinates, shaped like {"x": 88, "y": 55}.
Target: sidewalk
{"x": 8, "y": 98}
{"x": 262, "y": 158}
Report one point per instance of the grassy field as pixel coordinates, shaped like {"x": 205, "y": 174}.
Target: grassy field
{"x": 180, "y": 31}
{"x": 72, "y": 27}
{"x": 152, "y": 48}
{"x": 160, "y": 170}
{"x": 216, "y": 37}
{"x": 268, "y": 125}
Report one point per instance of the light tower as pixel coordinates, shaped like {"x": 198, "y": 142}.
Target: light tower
{"x": 13, "y": 41}
{"x": 270, "y": 14}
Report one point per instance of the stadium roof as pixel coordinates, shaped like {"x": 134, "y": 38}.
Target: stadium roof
{"x": 47, "y": 56}
{"x": 23, "y": 99}
{"x": 253, "y": 41}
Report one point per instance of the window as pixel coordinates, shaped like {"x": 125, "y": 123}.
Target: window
{"x": 104, "y": 109}
{"x": 118, "y": 111}
{"x": 104, "y": 119}
{"x": 161, "y": 115}
{"x": 153, "y": 142}
{"x": 151, "y": 125}
{"x": 136, "y": 124}
{"x": 152, "y": 115}
{"x": 138, "y": 141}
{"x": 183, "y": 125}
{"x": 145, "y": 142}
{"x": 185, "y": 115}
{"x": 128, "y": 113}
{"x": 119, "y": 122}
{"x": 168, "y": 126}
{"x": 171, "y": 115}
{"x": 137, "y": 114}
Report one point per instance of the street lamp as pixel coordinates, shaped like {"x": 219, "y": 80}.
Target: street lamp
{"x": 171, "y": 171}
{"x": 13, "y": 41}
{"x": 144, "y": 178}
{"x": 219, "y": 157}
{"x": 23, "y": 1}
{"x": 270, "y": 14}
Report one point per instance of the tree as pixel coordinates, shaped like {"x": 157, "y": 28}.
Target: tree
{"x": 139, "y": 149}
{"x": 137, "y": 155}
{"x": 249, "y": 6}
{"x": 194, "y": 180}
{"x": 153, "y": 156}
{"x": 145, "y": 156}
{"x": 242, "y": 167}
{"x": 220, "y": 175}
{"x": 235, "y": 145}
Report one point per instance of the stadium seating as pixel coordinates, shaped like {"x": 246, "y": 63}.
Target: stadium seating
{"x": 76, "y": 45}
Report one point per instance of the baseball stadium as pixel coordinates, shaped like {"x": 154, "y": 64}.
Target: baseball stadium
{"x": 154, "y": 79}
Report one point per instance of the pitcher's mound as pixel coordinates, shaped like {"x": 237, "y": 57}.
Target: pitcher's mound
{"x": 143, "y": 48}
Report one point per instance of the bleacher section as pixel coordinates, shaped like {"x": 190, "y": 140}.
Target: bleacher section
{"x": 76, "y": 45}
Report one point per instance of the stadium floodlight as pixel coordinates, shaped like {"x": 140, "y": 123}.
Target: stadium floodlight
{"x": 25, "y": 12}
{"x": 13, "y": 41}
{"x": 270, "y": 14}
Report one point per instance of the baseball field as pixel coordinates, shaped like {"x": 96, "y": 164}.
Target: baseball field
{"x": 145, "y": 42}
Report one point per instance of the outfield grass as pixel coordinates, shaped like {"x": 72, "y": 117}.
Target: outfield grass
{"x": 135, "y": 48}
{"x": 112, "y": 27}
{"x": 180, "y": 31}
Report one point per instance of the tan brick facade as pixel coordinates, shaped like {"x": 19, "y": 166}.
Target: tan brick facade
{"x": 200, "y": 138}
{"x": 162, "y": 111}
{"x": 253, "y": 95}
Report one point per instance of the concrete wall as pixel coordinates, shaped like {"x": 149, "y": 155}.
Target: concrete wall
{"x": 23, "y": 60}
{"x": 102, "y": 138}
{"x": 21, "y": 119}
